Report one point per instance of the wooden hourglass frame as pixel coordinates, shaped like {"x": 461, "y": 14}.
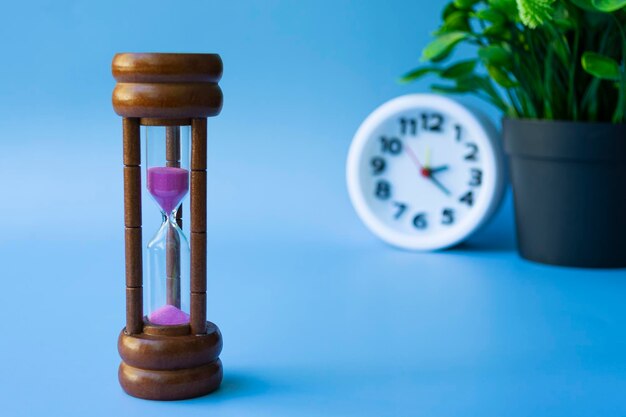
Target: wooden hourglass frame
{"x": 172, "y": 90}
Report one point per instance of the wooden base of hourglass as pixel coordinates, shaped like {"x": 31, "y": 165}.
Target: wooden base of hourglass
{"x": 170, "y": 363}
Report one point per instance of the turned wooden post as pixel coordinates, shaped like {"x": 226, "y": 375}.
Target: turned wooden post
{"x": 198, "y": 225}
{"x": 132, "y": 223}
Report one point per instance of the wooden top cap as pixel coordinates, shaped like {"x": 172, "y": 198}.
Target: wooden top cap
{"x": 166, "y": 68}
{"x": 155, "y": 85}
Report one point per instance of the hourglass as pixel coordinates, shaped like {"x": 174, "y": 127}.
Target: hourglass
{"x": 169, "y": 350}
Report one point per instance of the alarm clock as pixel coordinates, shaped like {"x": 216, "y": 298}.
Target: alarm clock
{"x": 425, "y": 172}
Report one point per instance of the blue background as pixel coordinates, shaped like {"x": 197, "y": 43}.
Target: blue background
{"x": 319, "y": 317}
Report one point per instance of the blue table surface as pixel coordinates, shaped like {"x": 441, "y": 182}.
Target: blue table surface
{"x": 318, "y": 316}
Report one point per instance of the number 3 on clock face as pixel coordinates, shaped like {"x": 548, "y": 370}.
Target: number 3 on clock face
{"x": 425, "y": 172}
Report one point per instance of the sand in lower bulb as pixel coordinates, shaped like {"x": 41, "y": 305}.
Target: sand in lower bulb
{"x": 168, "y": 315}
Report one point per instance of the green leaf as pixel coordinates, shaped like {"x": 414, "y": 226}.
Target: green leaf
{"x": 460, "y": 69}
{"x": 418, "y": 73}
{"x": 601, "y": 66}
{"x": 565, "y": 24}
{"x": 535, "y": 12}
{"x": 597, "y": 21}
{"x": 448, "y": 10}
{"x": 608, "y": 6}
{"x": 442, "y": 46}
{"x": 500, "y": 77}
{"x": 508, "y": 7}
{"x": 585, "y": 5}
{"x": 472, "y": 82}
{"x": 499, "y": 31}
{"x": 465, "y": 4}
{"x": 450, "y": 89}
{"x": 491, "y": 15}
{"x": 456, "y": 22}
{"x": 495, "y": 55}
{"x": 562, "y": 51}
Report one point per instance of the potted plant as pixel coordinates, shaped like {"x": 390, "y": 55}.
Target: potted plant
{"x": 556, "y": 70}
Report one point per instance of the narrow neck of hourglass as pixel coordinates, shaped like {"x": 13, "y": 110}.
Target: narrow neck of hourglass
{"x": 171, "y": 216}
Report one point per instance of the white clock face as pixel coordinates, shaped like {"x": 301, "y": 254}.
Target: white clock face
{"x": 424, "y": 172}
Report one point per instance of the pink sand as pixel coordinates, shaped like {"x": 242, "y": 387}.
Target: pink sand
{"x": 169, "y": 315}
{"x": 168, "y": 186}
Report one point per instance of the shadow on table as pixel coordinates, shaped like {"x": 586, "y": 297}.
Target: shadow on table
{"x": 235, "y": 385}
{"x": 498, "y": 237}
{"x": 502, "y": 243}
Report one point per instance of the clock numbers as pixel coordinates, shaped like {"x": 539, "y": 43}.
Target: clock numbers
{"x": 419, "y": 221}
{"x": 390, "y": 145}
{"x": 473, "y": 152}
{"x": 378, "y": 165}
{"x": 401, "y": 209}
{"x": 447, "y": 216}
{"x": 383, "y": 190}
{"x": 408, "y": 126}
{"x": 467, "y": 198}
{"x": 432, "y": 122}
{"x": 476, "y": 178}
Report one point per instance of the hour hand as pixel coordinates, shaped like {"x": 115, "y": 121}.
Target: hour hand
{"x": 439, "y": 169}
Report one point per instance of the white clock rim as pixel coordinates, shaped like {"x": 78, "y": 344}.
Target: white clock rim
{"x": 492, "y": 187}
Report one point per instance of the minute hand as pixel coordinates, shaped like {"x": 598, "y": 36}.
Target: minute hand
{"x": 439, "y": 185}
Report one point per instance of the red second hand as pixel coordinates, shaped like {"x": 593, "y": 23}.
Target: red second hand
{"x": 424, "y": 171}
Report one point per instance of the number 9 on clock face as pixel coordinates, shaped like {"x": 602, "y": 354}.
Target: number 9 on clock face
{"x": 425, "y": 172}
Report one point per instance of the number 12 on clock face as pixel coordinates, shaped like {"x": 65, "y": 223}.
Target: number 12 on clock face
{"x": 425, "y": 172}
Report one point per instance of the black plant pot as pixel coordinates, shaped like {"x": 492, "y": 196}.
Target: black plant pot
{"x": 569, "y": 186}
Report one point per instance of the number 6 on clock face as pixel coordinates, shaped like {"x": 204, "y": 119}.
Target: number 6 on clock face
{"x": 425, "y": 172}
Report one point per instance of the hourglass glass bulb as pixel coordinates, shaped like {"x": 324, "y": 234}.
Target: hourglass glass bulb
{"x": 167, "y": 181}
{"x": 168, "y": 186}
